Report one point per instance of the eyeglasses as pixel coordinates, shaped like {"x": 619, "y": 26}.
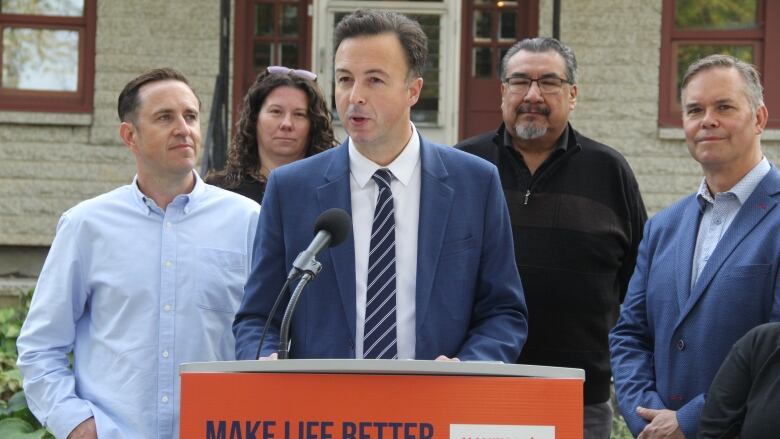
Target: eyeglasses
{"x": 547, "y": 84}
{"x": 282, "y": 70}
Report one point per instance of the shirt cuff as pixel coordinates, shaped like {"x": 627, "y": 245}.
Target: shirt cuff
{"x": 689, "y": 414}
{"x": 67, "y": 416}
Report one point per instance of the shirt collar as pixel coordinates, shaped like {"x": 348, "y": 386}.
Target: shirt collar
{"x": 362, "y": 168}
{"x": 187, "y": 201}
{"x": 742, "y": 190}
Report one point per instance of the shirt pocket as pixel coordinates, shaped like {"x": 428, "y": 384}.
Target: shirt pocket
{"x": 221, "y": 275}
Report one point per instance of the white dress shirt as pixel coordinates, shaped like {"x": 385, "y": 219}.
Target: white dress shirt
{"x": 405, "y": 186}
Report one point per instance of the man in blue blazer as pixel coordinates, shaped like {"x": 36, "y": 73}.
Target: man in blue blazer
{"x": 441, "y": 268}
{"x": 707, "y": 270}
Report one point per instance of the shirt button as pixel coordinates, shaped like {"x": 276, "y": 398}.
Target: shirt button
{"x": 718, "y": 221}
{"x": 167, "y": 308}
{"x": 164, "y": 398}
{"x": 165, "y": 354}
{"x": 167, "y": 264}
{"x": 168, "y": 224}
{"x": 680, "y": 344}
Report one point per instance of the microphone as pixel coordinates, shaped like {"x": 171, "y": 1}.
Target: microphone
{"x": 331, "y": 228}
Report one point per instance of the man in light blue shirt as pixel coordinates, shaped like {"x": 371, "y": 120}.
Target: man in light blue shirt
{"x": 708, "y": 268}
{"x": 138, "y": 280}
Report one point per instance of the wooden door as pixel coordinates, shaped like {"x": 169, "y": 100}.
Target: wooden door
{"x": 269, "y": 32}
{"x": 489, "y": 28}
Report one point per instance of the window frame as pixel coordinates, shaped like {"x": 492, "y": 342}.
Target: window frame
{"x": 79, "y": 101}
{"x": 325, "y": 59}
{"x": 244, "y": 40}
{"x": 765, "y": 36}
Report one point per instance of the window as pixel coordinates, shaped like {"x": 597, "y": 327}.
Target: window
{"x": 692, "y": 29}
{"x": 493, "y": 32}
{"x": 426, "y": 110}
{"x": 489, "y": 29}
{"x": 47, "y": 50}
{"x": 269, "y": 32}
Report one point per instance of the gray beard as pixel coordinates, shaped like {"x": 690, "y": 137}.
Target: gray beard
{"x": 529, "y": 131}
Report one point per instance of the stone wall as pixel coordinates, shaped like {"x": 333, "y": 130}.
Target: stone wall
{"x": 49, "y": 162}
{"x": 618, "y": 43}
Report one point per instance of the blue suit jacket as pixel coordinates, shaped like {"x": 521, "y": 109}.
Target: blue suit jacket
{"x": 469, "y": 299}
{"x": 670, "y": 338}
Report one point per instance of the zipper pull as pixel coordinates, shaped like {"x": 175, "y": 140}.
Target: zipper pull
{"x": 527, "y": 194}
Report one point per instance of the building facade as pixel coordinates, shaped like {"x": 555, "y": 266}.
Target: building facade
{"x": 55, "y": 153}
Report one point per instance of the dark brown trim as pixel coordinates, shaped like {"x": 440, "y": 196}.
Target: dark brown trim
{"x": 465, "y": 60}
{"x": 80, "y": 101}
{"x": 242, "y": 47}
{"x": 665, "y": 92}
{"x": 527, "y": 25}
{"x": 244, "y": 40}
{"x": 44, "y": 20}
{"x": 763, "y": 38}
{"x": 771, "y": 69}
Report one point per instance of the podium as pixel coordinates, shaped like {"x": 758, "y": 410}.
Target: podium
{"x": 379, "y": 399}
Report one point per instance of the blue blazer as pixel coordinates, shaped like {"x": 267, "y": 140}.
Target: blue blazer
{"x": 469, "y": 299}
{"x": 670, "y": 338}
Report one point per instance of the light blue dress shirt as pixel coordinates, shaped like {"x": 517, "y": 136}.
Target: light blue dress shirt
{"x": 134, "y": 291}
{"x": 718, "y": 212}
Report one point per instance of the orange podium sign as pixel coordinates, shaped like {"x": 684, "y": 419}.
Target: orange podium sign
{"x": 379, "y": 399}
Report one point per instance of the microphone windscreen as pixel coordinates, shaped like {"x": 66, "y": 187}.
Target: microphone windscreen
{"x": 335, "y": 221}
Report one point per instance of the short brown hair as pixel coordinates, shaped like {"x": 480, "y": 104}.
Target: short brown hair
{"x": 365, "y": 22}
{"x": 127, "y": 103}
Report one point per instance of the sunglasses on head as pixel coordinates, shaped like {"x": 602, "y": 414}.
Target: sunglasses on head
{"x": 282, "y": 70}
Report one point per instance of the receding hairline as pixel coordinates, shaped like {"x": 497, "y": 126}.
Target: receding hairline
{"x": 384, "y": 71}
{"x": 715, "y": 68}
{"x": 545, "y": 52}
{"x": 143, "y": 91}
{"x": 712, "y": 68}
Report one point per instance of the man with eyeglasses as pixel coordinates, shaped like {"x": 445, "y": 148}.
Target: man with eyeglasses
{"x": 576, "y": 213}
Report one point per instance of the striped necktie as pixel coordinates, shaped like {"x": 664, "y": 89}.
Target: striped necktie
{"x": 379, "y": 339}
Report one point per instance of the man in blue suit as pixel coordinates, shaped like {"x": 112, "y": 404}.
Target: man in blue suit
{"x": 707, "y": 270}
{"x": 429, "y": 270}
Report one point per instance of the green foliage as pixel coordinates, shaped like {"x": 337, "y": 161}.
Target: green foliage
{"x": 716, "y": 14}
{"x": 619, "y": 428}
{"x": 16, "y": 420}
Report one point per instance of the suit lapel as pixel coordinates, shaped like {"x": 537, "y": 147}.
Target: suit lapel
{"x": 757, "y": 206}
{"x": 685, "y": 248}
{"x": 336, "y": 193}
{"x": 435, "y": 204}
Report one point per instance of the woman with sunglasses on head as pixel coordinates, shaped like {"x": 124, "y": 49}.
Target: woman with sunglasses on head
{"x": 283, "y": 118}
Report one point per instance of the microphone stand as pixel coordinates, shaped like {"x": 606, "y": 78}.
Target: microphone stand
{"x": 311, "y": 270}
